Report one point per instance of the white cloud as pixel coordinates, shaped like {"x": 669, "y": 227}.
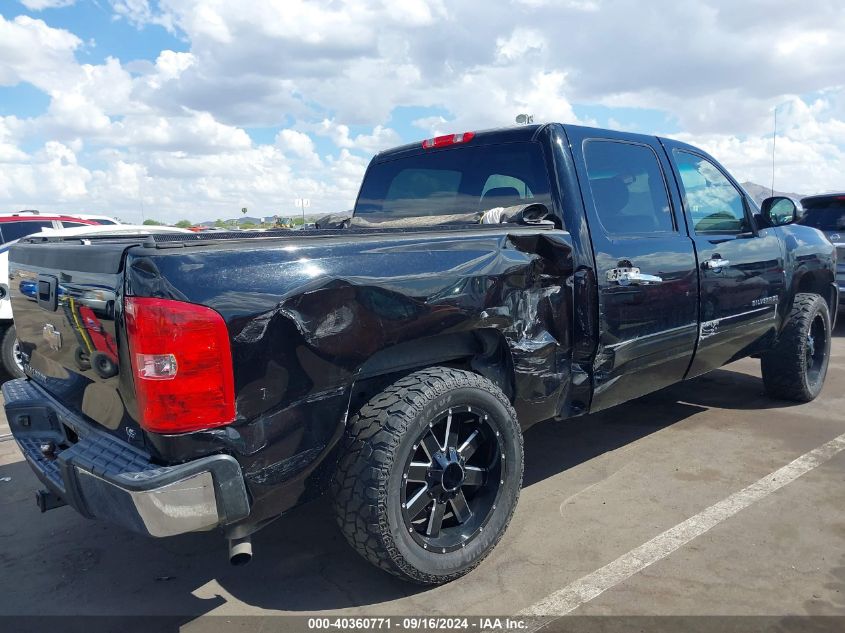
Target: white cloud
{"x": 170, "y": 65}
{"x": 33, "y": 52}
{"x": 140, "y": 13}
{"x": 415, "y": 12}
{"x": 194, "y": 132}
{"x": 578, "y": 5}
{"x": 520, "y": 42}
{"x": 40, "y": 5}
{"x": 9, "y": 133}
{"x": 170, "y": 134}
{"x": 809, "y": 151}
{"x": 53, "y": 174}
{"x": 299, "y": 145}
{"x": 380, "y": 139}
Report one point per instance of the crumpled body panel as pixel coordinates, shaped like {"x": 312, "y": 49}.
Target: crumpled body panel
{"x": 308, "y": 317}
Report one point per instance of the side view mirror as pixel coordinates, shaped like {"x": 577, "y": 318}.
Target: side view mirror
{"x": 779, "y": 210}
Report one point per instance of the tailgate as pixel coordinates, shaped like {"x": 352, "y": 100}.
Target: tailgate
{"x": 66, "y": 300}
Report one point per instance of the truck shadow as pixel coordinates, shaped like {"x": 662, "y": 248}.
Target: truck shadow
{"x": 302, "y": 563}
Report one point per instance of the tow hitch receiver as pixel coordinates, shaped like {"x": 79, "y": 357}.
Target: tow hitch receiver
{"x": 46, "y": 500}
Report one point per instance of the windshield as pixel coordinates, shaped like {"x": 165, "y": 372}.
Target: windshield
{"x": 461, "y": 180}
{"x": 825, "y": 215}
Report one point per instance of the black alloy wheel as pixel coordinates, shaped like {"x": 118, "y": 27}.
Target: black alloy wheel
{"x": 796, "y": 366}
{"x": 817, "y": 345}
{"x": 452, "y": 479}
{"x": 429, "y": 474}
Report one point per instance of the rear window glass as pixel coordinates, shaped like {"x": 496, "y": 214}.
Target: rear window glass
{"x": 468, "y": 179}
{"x": 12, "y": 231}
{"x": 827, "y": 215}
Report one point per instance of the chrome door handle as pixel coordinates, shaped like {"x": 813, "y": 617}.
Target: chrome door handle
{"x": 713, "y": 264}
{"x": 631, "y": 277}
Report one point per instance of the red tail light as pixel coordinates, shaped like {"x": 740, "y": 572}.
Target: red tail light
{"x": 181, "y": 365}
{"x": 448, "y": 139}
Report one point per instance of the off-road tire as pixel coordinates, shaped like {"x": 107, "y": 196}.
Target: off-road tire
{"x": 367, "y": 483}
{"x": 785, "y": 370}
{"x": 7, "y": 353}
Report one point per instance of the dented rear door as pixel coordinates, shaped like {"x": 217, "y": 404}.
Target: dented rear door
{"x": 645, "y": 265}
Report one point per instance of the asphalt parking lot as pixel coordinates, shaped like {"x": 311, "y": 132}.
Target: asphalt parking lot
{"x": 595, "y": 489}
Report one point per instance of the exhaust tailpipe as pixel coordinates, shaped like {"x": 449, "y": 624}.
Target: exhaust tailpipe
{"x": 240, "y": 551}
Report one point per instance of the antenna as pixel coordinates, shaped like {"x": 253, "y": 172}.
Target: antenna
{"x": 141, "y": 197}
{"x": 774, "y": 142}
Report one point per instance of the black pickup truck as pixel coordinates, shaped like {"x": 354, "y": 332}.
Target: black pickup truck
{"x": 485, "y": 282}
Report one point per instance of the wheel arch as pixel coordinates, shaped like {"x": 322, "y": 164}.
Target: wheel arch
{"x": 818, "y": 282}
{"x": 483, "y": 351}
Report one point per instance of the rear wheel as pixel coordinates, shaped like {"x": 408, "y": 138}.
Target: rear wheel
{"x": 796, "y": 368}
{"x": 10, "y": 353}
{"x": 430, "y": 475}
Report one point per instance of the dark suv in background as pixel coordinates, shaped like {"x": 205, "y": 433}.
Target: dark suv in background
{"x": 826, "y": 212}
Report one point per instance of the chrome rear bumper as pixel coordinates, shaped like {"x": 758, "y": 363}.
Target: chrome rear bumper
{"x": 105, "y": 478}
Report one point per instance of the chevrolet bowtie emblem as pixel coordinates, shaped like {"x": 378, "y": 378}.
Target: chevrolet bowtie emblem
{"x": 52, "y": 336}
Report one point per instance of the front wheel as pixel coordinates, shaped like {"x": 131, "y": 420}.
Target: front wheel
{"x": 10, "y": 353}
{"x": 430, "y": 474}
{"x": 796, "y": 368}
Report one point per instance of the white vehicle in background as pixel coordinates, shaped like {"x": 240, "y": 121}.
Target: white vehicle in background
{"x": 99, "y": 219}
{"x": 14, "y": 226}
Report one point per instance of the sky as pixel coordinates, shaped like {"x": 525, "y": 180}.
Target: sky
{"x": 195, "y": 109}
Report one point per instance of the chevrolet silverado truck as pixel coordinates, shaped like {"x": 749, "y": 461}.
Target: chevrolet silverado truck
{"x": 485, "y": 282}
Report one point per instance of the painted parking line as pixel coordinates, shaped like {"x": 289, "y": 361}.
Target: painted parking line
{"x": 596, "y": 583}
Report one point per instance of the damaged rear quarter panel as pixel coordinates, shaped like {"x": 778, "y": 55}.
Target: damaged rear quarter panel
{"x": 305, "y": 315}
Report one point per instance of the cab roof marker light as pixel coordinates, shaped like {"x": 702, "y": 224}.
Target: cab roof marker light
{"x": 448, "y": 139}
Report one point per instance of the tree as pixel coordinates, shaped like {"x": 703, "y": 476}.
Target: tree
{"x": 247, "y": 225}
{"x": 220, "y": 224}
{"x": 184, "y": 224}
{"x": 153, "y": 223}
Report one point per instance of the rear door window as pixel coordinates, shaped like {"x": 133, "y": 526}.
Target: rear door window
{"x": 12, "y": 231}
{"x": 628, "y": 187}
